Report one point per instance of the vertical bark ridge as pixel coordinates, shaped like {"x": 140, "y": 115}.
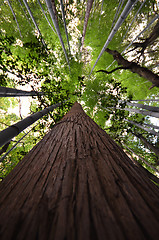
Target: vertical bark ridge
{"x": 78, "y": 184}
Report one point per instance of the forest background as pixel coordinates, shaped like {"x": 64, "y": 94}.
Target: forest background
{"x": 32, "y": 59}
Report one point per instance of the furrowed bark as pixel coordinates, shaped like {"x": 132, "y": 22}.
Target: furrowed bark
{"x": 76, "y": 184}
{"x": 135, "y": 68}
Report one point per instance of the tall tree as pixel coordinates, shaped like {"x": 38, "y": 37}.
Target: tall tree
{"x": 12, "y": 92}
{"x": 149, "y": 40}
{"x": 89, "y": 6}
{"x": 143, "y": 112}
{"x": 147, "y": 144}
{"x": 12, "y": 131}
{"x": 78, "y": 184}
{"x": 144, "y": 128}
{"x": 133, "y": 67}
{"x": 143, "y": 106}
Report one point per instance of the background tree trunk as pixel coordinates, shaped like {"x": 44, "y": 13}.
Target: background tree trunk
{"x": 147, "y": 144}
{"x": 76, "y": 184}
{"x": 143, "y": 112}
{"x": 12, "y": 92}
{"x": 150, "y": 40}
{"x": 89, "y": 6}
{"x": 147, "y": 107}
{"x": 144, "y": 128}
{"x": 136, "y": 68}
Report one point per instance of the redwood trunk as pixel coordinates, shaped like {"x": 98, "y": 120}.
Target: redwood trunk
{"x": 78, "y": 184}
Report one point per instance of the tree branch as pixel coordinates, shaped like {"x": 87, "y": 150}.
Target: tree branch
{"x": 108, "y": 72}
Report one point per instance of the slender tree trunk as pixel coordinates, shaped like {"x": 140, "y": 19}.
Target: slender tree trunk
{"x": 142, "y": 159}
{"x": 147, "y": 144}
{"x": 51, "y": 7}
{"x": 89, "y": 6}
{"x": 12, "y": 92}
{"x": 33, "y": 19}
{"x": 76, "y": 184}
{"x": 147, "y": 107}
{"x": 46, "y": 17}
{"x": 24, "y": 12}
{"x": 151, "y": 125}
{"x": 150, "y": 40}
{"x": 12, "y": 131}
{"x": 54, "y": 10}
{"x": 135, "y": 68}
{"x": 14, "y": 17}
{"x": 64, "y": 20}
{"x": 144, "y": 128}
{"x": 146, "y": 100}
{"x": 143, "y": 112}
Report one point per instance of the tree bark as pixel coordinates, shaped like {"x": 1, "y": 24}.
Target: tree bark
{"x": 89, "y": 6}
{"x": 143, "y": 112}
{"x": 144, "y": 128}
{"x": 135, "y": 68}
{"x": 53, "y": 14}
{"x": 12, "y": 92}
{"x": 76, "y": 184}
{"x": 147, "y": 144}
{"x": 147, "y": 107}
{"x": 148, "y": 41}
{"x": 151, "y": 125}
{"x": 142, "y": 159}
{"x": 54, "y": 9}
{"x": 12, "y": 131}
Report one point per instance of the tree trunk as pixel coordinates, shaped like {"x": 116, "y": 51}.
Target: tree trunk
{"x": 12, "y": 131}
{"x": 151, "y": 125}
{"x": 12, "y": 92}
{"x": 142, "y": 159}
{"x": 144, "y": 128}
{"x": 135, "y": 68}
{"x": 143, "y": 112}
{"x": 14, "y": 17}
{"x": 150, "y": 40}
{"x": 64, "y": 21}
{"x": 147, "y": 144}
{"x": 46, "y": 16}
{"x": 146, "y": 100}
{"x": 89, "y": 6}
{"x": 77, "y": 184}
{"x": 33, "y": 20}
{"x": 51, "y": 7}
{"x": 147, "y": 107}
{"x": 54, "y": 10}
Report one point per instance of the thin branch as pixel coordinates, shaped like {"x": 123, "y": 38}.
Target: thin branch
{"x": 108, "y": 72}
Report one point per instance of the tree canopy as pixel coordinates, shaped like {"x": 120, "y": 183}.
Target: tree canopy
{"x": 32, "y": 58}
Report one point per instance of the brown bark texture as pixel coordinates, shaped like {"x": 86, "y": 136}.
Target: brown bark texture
{"x": 135, "y": 68}
{"x": 150, "y": 40}
{"x": 89, "y": 6}
{"x": 78, "y": 184}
